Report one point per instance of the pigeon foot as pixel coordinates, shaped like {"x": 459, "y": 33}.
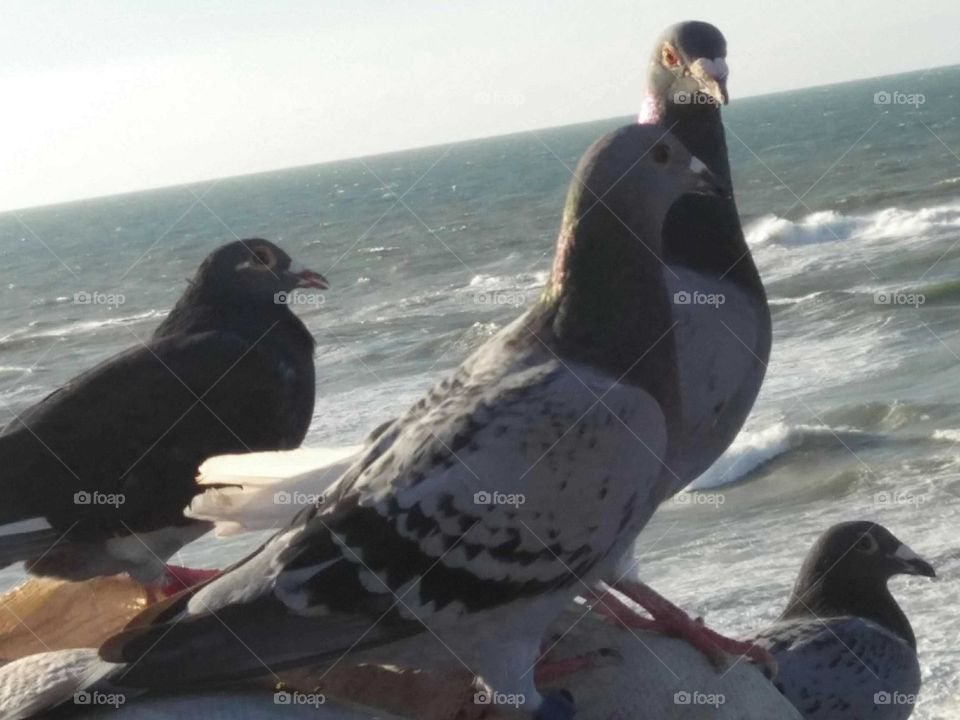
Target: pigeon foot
{"x": 669, "y": 619}
{"x": 550, "y": 671}
{"x": 175, "y": 579}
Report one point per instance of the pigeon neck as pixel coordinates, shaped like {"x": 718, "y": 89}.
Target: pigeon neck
{"x": 704, "y": 233}
{"x": 698, "y": 126}
{"x": 605, "y": 303}
{"x": 870, "y": 600}
{"x": 194, "y": 312}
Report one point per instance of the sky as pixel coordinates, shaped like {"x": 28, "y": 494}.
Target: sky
{"x": 108, "y": 96}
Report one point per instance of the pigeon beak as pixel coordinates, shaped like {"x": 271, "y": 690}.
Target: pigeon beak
{"x": 913, "y": 564}
{"x": 307, "y": 278}
{"x": 706, "y": 182}
{"x": 711, "y": 77}
{"x": 715, "y": 88}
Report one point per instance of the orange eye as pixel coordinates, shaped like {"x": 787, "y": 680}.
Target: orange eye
{"x": 669, "y": 56}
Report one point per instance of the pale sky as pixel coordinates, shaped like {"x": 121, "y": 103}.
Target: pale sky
{"x": 101, "y": 97}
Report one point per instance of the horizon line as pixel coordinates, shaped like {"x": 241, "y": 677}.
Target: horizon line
{"x": 413, "y": 148}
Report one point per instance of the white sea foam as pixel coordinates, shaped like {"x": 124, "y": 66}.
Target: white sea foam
{"x": 80, "y": 328}
{"x": 947, "y": 435}
{"x": 831, "y": 226}
{"x": 752, "y": 450}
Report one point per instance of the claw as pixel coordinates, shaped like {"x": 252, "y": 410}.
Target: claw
{"x": 669, "y": 619}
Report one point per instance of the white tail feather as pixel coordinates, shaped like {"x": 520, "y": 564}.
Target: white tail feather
{"x": 273, "y": 486}
{"x": 41, "y": 682}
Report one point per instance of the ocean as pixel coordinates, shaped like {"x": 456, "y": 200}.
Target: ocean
{"x": 850, "y": 197}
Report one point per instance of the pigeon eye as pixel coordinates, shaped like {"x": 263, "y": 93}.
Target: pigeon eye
{"x": 661, "y": 153}
{"x": 263, "y": 256}
{"x": 866, "y": 544}
{"x": 669, "y": 56}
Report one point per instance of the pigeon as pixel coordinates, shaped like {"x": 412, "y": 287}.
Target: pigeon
{"x": 722, "y": 322}
{"x": 97, "y": 474}
{"x": 844, "y": 648}
{"x": 723, "y": 334}
{"x": 464, "y": 528}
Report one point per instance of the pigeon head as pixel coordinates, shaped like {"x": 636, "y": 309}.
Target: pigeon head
{"x": 846, "y": 573}
{"x": 859, "y": 551}
{"x": 252, "y": 271}
{"x": 688, "y": 68}
{"x": 607, "y": 269}
{"x": 631, "y": 178}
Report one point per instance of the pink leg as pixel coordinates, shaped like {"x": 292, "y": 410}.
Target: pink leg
{"x": 175, "y": 579}
{"x": 553, "y": 670}
{"x": 671, "y": 620}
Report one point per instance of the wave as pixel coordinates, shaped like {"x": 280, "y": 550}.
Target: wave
{"x": 830, "y": 226}
{"x": 24, "y": 335}
{"x": 951, "y": 435}
{"x": 523, "y": 281}
{"x": 753, "y": 450}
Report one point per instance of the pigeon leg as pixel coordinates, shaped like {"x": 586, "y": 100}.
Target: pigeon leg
{"x": 175, "y": 579}
{"x": 611, "y": 607}
{"x": 550, "y": 671}
{"x": 672, "y": 620}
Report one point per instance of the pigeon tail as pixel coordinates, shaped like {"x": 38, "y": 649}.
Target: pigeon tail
{"x": 25, "y": 540}
{"x": 262, "y": 491}
{"x": 39, "y": 683}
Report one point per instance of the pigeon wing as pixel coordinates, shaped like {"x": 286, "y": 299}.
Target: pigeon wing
{"x": 406, "y": 539}
{"x": 843, "y": 667}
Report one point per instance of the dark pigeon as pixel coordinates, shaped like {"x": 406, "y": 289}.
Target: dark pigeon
{"x": 95, "y": 477}
{"x": 844, "y": 648}
{"x": 468, "y": 523}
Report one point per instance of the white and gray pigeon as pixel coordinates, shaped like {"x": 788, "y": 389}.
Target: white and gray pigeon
{"x": 723, "y": 332}
{"x": 844, "y": 647}
{"x": 469, "y": 523}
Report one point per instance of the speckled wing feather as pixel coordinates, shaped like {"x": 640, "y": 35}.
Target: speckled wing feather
{"x": 499, "y": 487}
{"x": 844, "y": 668}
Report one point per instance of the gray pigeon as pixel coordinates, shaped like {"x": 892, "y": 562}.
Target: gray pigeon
{"x": 844, "y": 648}
{"x": 465, "y": 527}
{"x": 722, "y": 332}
